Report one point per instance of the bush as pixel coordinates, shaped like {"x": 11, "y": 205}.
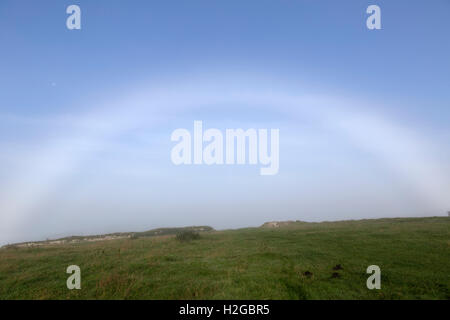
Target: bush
{"x": 186, "y": 236}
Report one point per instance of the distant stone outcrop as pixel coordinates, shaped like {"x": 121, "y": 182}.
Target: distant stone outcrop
{"x": 278, "y": 224}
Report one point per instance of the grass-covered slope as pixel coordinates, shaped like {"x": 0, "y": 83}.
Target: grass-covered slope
{"x": 254, "y": 263}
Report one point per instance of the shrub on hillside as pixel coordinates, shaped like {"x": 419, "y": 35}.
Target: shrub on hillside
{"x": 186, "y": 236}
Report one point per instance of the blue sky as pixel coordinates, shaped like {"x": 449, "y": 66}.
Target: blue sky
{"x": 86, "y": 115}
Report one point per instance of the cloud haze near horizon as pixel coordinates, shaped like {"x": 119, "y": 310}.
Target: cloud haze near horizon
{"x": 109, "y": 169}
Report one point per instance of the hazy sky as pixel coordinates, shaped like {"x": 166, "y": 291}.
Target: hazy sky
{"x": 86, "y": 115}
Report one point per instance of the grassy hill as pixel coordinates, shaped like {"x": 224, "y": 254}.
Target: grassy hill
{"x": 288, "y": 261}
{"x": 110, "y": 236}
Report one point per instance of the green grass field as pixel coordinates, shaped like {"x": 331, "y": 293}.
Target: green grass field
{"x": 253, "y": 263}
